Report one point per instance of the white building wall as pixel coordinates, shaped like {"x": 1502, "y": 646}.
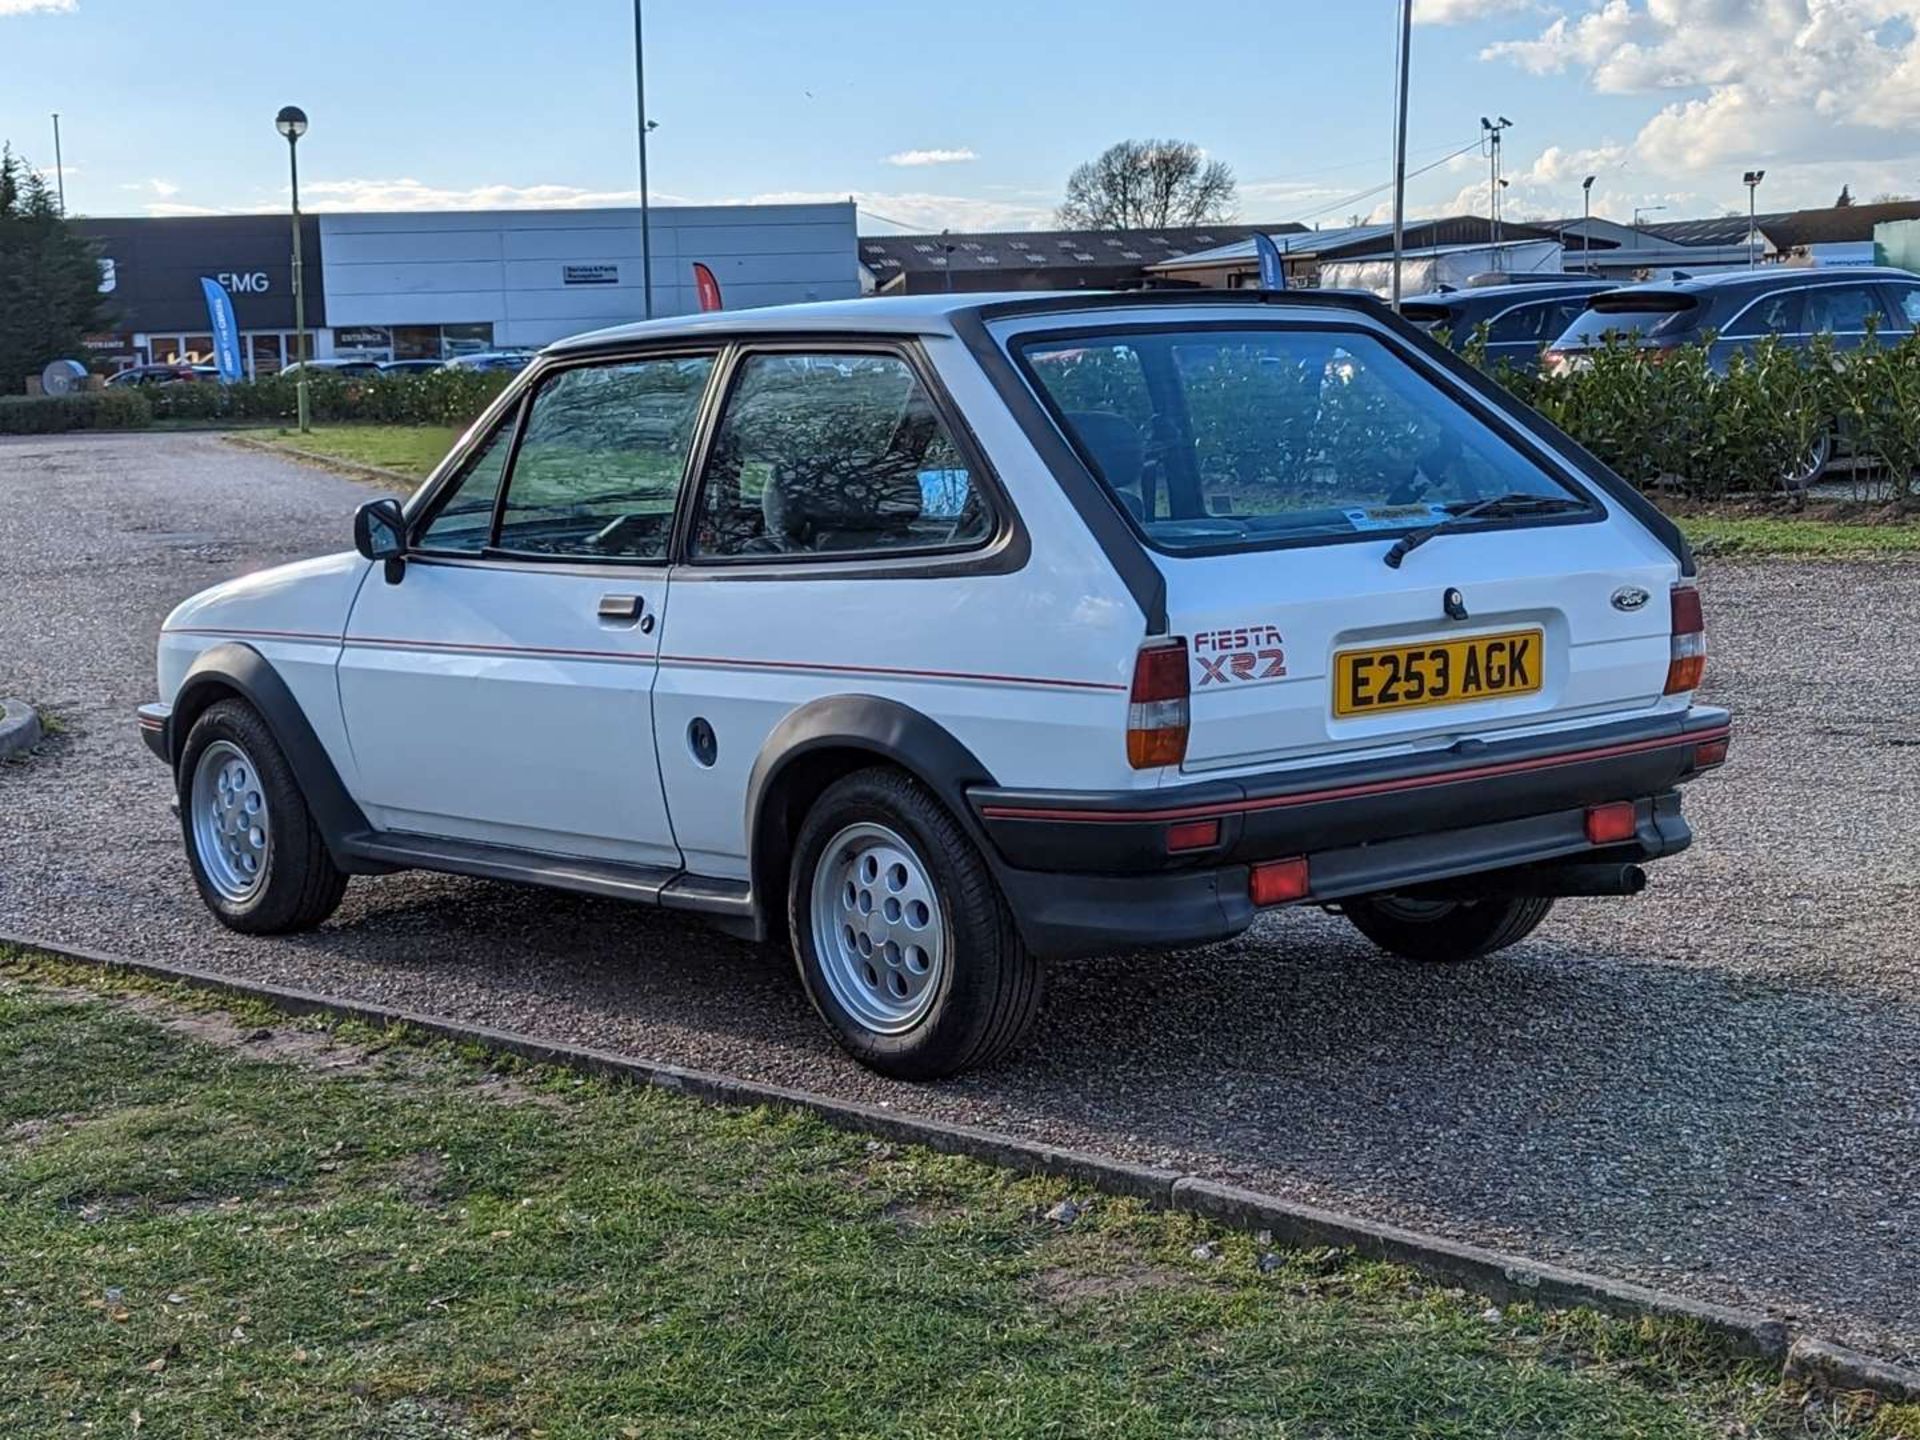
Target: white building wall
{"x": 507, "y": 267}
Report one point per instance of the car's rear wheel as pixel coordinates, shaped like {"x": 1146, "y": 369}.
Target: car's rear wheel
{"x": 904, "y": 943}
{"x": 257, "y": 857}
{"x": 1445, "y": 931}
{"x": 1806, "y": 472}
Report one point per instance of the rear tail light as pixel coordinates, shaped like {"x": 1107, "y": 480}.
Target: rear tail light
{"x": 1688, "y": 657}
{"x": 1157, "y": 712}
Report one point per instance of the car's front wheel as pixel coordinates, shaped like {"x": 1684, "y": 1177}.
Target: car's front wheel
{"x": 257, "y": 857}
{"x": 904, "y": 943}
{"x": 1445, "y": 931}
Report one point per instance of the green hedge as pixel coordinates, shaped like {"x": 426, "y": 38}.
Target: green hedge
{"x": 440, "y": 397}
{"x": 1664, "y": 418}
{"x": 87, "y": 410}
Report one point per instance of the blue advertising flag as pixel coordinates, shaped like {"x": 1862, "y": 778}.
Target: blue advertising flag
{"x": 1272, "y": 275}
{"x": 226, "y": 333}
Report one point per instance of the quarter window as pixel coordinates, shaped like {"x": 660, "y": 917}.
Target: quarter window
{"x": 834, "y": 455}
{"x": 462, "y": 522}
{"x": 600, "y": 463}
{"x": 1776, "y": 314}
{"x": 1528, "y": 323}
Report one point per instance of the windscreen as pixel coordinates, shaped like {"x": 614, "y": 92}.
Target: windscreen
{"x": 1224, "y": 439}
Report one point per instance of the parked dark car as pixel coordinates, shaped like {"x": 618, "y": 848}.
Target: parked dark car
{"x": 411, "y": 367}
{"x": 172, "y": 373}
{"x": 1521, "y": 317}
{"x": 1740, "y": 306}
{"x": 1730, "y": 311}
{"x": 513, "y": 361}
{"x": 332, "y": 367}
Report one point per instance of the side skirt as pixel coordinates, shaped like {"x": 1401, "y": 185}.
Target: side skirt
{"x": 727, "y": 902}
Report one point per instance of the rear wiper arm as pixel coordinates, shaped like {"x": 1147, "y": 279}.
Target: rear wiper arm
{"x": 1517, "y": 502}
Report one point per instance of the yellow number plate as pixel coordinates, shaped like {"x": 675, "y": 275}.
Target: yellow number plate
{"x": 1439, "y": 672}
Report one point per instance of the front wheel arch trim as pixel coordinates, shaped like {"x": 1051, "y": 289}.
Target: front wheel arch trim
{"x": 236, "y": 670}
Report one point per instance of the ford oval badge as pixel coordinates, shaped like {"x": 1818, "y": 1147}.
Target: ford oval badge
{"x": 1629, "y": 597}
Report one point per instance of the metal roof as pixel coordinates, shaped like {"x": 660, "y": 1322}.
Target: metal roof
{"x": 1007, "y": 250}
{"x": 1456, "y": 231}
{"x": 1836, "y": 225}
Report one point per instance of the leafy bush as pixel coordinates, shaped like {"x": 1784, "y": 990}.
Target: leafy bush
{"x": 121, "y": 409}
{"x": 440, "y": 397}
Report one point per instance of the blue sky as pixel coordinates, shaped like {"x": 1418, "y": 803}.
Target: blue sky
{"x": 967, "y": 116}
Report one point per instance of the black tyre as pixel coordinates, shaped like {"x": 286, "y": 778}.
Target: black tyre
{"x": 1445, "y": 931}
{"x": 260, "y": 862}
{"x": 1809, "y": 470}
{"x": 904, "y": 943}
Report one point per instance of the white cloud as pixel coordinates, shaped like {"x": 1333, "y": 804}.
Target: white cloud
{"x": 909, "y": 158}
{"x": 1817, "y": 92}
{"x": 1458, "y": 12}
{"x": 37, "y": 7}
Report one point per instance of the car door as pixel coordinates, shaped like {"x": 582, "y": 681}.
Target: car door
{"x": 501, "y": 691}
{"x": 1777, "y": 312}
{"x": 1903, "y": 297}
{"x": 1845, "y": 311}
{"x": 1518, "y": 334}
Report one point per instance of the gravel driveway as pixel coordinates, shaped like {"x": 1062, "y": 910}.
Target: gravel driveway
{"x": 1713, "y": 1088}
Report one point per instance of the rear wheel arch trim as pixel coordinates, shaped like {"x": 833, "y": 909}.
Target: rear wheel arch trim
{"x": 887, "y": 731}
{"x": 236, "y": 670}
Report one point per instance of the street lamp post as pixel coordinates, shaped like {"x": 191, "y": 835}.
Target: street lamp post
{"x": 1752, "y": 181}
{"x": 292, "y": 123}
{"x": 1586, "y": 223}
{"x": 646, "y": 125}
{"x": 1400, "y": 148}
{"x": 1490, "y": 132}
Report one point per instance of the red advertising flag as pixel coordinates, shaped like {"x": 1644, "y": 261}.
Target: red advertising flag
{"x": 708, "y": 287}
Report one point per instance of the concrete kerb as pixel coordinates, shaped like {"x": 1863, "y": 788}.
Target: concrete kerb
{"x": 375, "y": 474}
{"x": 1501, "y": 1277}
{"x": 20, "y": 727}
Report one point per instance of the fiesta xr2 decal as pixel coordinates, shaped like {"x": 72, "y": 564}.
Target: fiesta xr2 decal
{"x": 1222, "y": 657}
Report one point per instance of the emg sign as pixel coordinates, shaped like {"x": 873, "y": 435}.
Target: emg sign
{"x": 244, "y": 282}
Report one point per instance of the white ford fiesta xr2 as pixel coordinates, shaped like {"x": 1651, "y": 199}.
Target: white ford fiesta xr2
{"x": 938, "y": 637}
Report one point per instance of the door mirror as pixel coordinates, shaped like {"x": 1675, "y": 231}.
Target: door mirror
{"x": 380, "y": 530}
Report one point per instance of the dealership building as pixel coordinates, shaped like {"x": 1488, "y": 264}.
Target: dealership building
{"x": 437, "y": 284}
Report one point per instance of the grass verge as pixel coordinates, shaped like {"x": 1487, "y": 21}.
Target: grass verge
{"x": 220, "y": 1221}
{"x": 411, "y": 450}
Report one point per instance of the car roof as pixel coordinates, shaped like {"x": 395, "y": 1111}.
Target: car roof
{"x": 1530, "y": 289}
{"x": 1773, "y": 277}
{"x": 936, "y": 314}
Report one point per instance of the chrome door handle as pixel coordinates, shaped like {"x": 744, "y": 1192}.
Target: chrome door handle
{"x": 621, "y": 607}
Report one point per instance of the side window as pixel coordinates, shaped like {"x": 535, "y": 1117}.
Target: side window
{"x": 1524, "y": 322}
{"x": 462, "y": 522}
{"x": 600, "y": 464}
{"x": 1776, "y": 314}
{"x": 1906, "y": 304}
{"x": 836, "y": 455}
{"x": 1843, "y": 309}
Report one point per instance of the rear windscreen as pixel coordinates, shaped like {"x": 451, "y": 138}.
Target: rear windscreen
{"x": 1648, "y": 316}
{"x": 1231, "y": 438}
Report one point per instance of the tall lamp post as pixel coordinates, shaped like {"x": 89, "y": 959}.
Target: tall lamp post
{"x": 1490, "y": 132}
{"x": 646, "y": 125}
{"x": 1752, "y": 181}
{"x": 292, "y": 123}
{"x": 1400, "y": 148}
{"x": 1586, "y": 222}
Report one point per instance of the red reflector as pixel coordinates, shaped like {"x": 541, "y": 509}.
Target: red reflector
{"x": 1611, "y": 824}
{"x": 1193, "y": 835}
{"x": 1275, "y": 882}
{"x": 1714, "y": 752}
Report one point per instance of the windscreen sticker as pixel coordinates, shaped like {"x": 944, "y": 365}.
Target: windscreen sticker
{"x": 1392, "y": 517}
{"x": 1227, "y": 657}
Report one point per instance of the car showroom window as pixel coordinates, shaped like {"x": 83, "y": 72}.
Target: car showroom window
{"x": 600, "y": 463}
{"x": 824, "y": 454}
{"x": 1271, "y": 436}
{"x": 462, "y": 521}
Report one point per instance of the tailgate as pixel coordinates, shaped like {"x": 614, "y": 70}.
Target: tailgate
{"x": 1325, "y": 650}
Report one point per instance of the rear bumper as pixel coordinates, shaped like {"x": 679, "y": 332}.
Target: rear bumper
{"x": 1086, "y": 872}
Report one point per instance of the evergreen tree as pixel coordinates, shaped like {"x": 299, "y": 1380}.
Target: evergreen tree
{"x": 1846, "y": 197}
{"x": 49, "y": 278}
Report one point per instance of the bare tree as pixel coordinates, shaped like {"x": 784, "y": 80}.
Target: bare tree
{"x": 1141, "y": 184}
